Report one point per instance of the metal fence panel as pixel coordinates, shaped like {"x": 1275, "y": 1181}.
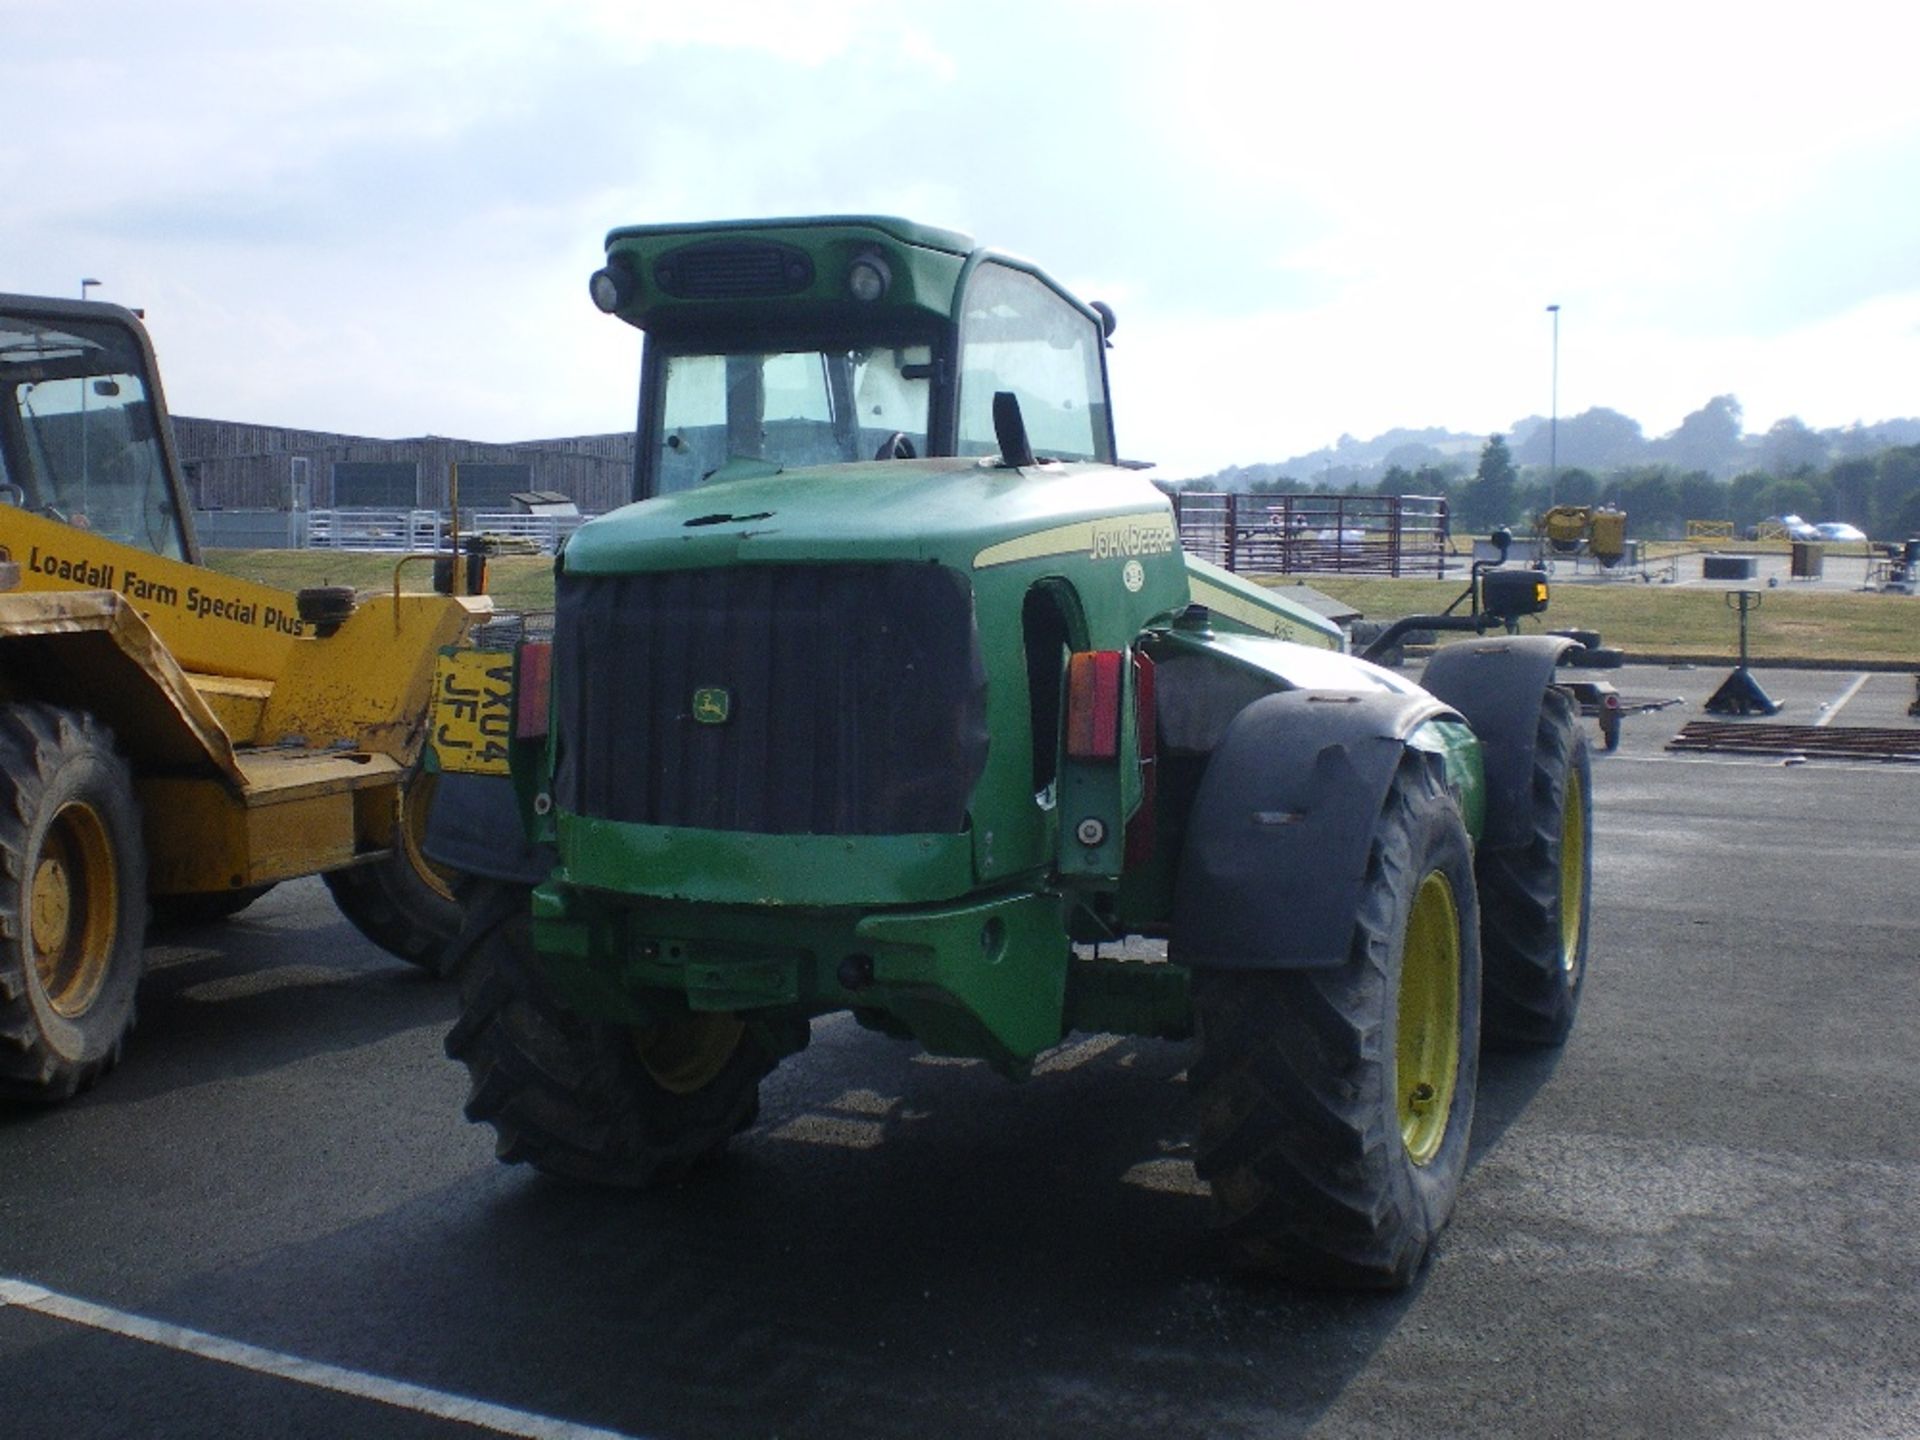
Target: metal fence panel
{"x": 1351, "y": 534}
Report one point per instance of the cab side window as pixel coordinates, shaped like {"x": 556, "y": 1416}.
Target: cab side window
{"x": 1018, "y": 334}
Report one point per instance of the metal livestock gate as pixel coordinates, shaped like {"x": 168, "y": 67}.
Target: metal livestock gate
{"x": 1347, "y": 533}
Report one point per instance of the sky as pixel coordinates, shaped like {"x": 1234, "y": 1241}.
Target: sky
{"x": 1312, "y": 219}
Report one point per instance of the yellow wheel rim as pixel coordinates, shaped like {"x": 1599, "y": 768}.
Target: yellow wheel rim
{"x": 686, "y": 1055}
{"x": 73, "y": 910}
{"x": 416, "y": 802}
{"x": 1427, "y": 1053}
{"x": 1573, "y": 871}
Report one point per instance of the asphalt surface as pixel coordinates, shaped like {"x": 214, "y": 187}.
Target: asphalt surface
{"x": 1695, "y": 1220}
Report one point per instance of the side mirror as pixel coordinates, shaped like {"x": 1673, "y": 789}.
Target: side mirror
{"x": 1010, "y": 430}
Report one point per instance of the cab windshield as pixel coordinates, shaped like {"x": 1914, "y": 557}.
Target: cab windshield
{"x": 78, "y": 436}
{"x": 791, "y": 408}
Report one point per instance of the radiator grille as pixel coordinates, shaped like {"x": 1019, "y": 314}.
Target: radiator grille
{"x": 855, "y": 699}
{"x": 733, "y": 270}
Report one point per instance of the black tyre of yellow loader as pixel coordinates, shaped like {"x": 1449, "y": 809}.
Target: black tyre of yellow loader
{"x": 73, "y": 901}
{"x": 1536, "y": 897}
{"x": 403, "y": 902}
{"x": 1334, "y": 1104}
{"x": 591, "y": 1100}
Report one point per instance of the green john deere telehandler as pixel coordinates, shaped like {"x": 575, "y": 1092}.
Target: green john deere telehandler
{"x": 895, "y": 693}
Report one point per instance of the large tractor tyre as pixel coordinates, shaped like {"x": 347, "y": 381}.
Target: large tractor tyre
{"x": 589, "y": 1100}
{"x": 1536, "y": 897}
{"x": 73, "y": 901}
{"x": 205, "y": 907}
{"x": 1333, "y": 1104}
{"x": 403, "y": 902}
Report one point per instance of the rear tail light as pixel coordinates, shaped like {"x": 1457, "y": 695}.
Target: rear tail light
{"x": 531, "y": 689}
{"x": 1093, "y": 704}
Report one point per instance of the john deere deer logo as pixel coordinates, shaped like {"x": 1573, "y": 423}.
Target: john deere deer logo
{"x": 712, "y": 704}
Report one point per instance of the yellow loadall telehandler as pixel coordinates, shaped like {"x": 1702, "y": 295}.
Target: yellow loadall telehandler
{"x": 173, "y": 741}
{"x": 1596, "y": 530}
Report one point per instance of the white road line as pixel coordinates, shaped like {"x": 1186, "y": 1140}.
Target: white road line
{"x": 1734, "y": 762}
{"x": 1845, "y": 695}
{"x": 417, "y": 1398}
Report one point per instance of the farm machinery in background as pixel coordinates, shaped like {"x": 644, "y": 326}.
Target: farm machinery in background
{"x": 1599, "y": 531}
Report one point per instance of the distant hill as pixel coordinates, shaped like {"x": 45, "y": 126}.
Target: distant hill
{"x": 1350, "y": 462}
{"x": 1711, "y": 439}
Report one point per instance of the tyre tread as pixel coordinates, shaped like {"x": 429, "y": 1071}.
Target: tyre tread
{"x": 566, "y": 1095}
{"x": 1528, "y": 1001}
{"x": 387, "y": 901}
{"x": 1292, "y": 1131}
{"x": 36, "y": 740}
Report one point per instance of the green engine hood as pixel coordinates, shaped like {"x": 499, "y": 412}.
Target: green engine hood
{"x": 958, "y": 512}
{"x": 1105, "y": 528}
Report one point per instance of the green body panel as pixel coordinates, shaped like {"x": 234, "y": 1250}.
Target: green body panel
{"x": 1460, "y": 754}
{"x": 719, "y": 867}
{"x": 962, "y": 940}
{"x": 1238, "y": 605}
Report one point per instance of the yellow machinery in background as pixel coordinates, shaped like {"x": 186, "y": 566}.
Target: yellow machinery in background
{"x": 1596, "y": 530}
{"x": 173, "y": 741}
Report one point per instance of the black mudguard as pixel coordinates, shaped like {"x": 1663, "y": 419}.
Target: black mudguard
{"x": 1277, "y": 845}
{"x": 475, "y": 827}
{"x": 1497, "y": 685}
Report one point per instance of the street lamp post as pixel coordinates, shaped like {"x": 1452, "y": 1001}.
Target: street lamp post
{"x": 1553, "y": 422}
{"x": 86, "y": 285}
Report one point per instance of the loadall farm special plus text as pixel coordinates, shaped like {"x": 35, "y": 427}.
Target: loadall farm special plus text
{"x": 173, "y": 741}
{"x": 896, "y": 694}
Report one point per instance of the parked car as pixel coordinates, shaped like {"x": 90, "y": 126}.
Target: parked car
{"x": 1791, "y": 526}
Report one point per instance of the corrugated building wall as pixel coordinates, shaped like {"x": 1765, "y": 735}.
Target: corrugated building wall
{"x": 235, "y": 466}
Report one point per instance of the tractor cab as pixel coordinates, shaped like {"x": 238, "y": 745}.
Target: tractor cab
{"x": 778, "y": 345}
{"x": 82, "y": 439}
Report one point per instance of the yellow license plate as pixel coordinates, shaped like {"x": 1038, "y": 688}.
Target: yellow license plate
{"x": 472, "y": 715}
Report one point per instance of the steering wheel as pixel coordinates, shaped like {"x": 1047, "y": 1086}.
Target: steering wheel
{"x": 897, "y": 446}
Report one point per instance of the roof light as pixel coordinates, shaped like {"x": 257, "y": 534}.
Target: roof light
{"x": 868, "y": 277}
{"x": 612, "y": 287}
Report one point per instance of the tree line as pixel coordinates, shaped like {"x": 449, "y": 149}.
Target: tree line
{"x": 1708, "y": 468}
{"x": 1880, "y": 493}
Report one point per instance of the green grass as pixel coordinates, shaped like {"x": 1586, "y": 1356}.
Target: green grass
{"x": 1809, "y": 625}
{"x": 516, "y": 582}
